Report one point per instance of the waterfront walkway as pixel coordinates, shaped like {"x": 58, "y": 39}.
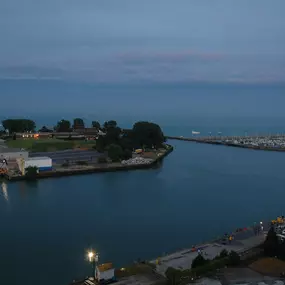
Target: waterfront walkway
{"x": 243, "y": 243}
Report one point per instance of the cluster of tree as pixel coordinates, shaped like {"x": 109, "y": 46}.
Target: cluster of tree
{"x": 78, "y": 123}
{"x": 31, "y": 172}
{"x": 201, "y": 266}
{"x": 19, "y": 125}
{"x": 44, "y": 129}
{"x": 231, "y": 258}
{"x": 273, "y": 246}
{"x": 120, "y": 143}
{"x": 63, "y": 126}
{"x": 26, "y": 125}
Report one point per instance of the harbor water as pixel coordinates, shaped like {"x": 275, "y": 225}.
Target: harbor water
{"x": 199, "y": 192}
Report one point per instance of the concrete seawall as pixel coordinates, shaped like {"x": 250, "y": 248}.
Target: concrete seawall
{"x": 244, "y": 243}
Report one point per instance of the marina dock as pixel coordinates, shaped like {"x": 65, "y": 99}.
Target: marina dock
{"x": 264, "y": 142}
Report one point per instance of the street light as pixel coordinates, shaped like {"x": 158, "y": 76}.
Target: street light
{"x": 93, "y": 259}
{"x": 90, "y": 255}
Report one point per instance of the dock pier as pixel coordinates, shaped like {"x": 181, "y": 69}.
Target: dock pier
{"x": 274, "y": 142}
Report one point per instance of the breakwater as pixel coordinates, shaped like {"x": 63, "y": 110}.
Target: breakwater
{"x": 268, "y": 143}
{"x": 104, "y": 167}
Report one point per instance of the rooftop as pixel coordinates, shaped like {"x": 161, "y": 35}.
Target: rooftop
{"x": 8, "y": 149}
{"x": 39, "y": 157}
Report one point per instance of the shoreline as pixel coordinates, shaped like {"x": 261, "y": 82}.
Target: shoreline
{"x": 93, "y": 169}
{"x": 246, "y": 244}
{"x": 207, "y": 141}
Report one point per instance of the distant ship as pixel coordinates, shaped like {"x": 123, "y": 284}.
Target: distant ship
{"x": 195, "y": 133}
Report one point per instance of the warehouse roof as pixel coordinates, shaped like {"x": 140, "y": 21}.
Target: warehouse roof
{"x": 38, "y": 157}
{"x": 8, "y": 149}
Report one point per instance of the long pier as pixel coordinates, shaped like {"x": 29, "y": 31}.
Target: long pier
{"x": 274, "y": 142}
{"x": 224, "y": 138}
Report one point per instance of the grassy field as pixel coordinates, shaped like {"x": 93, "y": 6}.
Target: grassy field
{"x": 40, "y": 145}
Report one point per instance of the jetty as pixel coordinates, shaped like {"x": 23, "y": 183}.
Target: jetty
{"x": 258, "y": 142}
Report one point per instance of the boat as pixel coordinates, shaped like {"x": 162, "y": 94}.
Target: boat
{"x": 195, "y": 133}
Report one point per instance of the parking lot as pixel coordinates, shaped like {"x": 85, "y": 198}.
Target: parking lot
{"x": 72, "y": 156}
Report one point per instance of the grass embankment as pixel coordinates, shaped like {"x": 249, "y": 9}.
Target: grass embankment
{"x": 134, "y": 269}
{"x": 268, "y": 266}
{"x": 43, "y": 145}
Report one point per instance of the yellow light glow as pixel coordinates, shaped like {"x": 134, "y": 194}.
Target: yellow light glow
{"x": 90, "y": 255}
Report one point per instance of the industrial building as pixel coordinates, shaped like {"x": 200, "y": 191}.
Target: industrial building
{"x": 13, "y": 153}
{"x": 42, "y": 163}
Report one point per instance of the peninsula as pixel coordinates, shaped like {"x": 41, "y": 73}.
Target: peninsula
{"x": 76, "y": 149}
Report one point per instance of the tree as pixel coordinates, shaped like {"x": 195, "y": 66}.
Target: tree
{"x": 31, "y": 172}
{"x": 234, "y": 258}
{"x": 110, "y": 124}
{"x": 173, "y": 275}
{"x": 127, "y": 154}
{"x": 148, "y": 134}
{"x": 63, "y": 126}
{"x": 223, "y": 253}
{"x": 115, "y": 152}
{"x": 281, "y": 249}
{"x": 199, "y": 261}
{"x": 100, "y": 144}
{"x": 113, "y": 135}
{"x": 271, "y": 243}
{"x": 96, "y": 125}
{"x": 44, "y": 129}
{"x": 19, "y": 125}
{"x": 78, "y": 123}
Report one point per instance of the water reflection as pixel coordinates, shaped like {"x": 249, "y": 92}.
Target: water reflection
{"x": 4, "y": 187}
{"x": 28, "y": 187}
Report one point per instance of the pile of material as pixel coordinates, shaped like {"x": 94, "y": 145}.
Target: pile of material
{"x": 137, "y": 160}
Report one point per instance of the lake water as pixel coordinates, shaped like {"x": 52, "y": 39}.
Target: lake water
{"x": 199, "y": 192}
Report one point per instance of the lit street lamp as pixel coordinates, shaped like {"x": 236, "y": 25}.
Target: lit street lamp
{"x": 90, "y": 256}
{"x": 93, "y": 259}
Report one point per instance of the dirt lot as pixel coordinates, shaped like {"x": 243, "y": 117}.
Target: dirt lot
{"x": 269, "y": 266}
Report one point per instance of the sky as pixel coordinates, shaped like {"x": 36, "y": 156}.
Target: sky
{"x": 137, "y": 41}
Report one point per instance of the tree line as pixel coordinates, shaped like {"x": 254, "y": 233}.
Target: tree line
{"x": 117, "y": 142}
{"x": 27, "y": 125}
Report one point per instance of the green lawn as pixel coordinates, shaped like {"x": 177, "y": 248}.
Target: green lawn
{"x": 47, "y": 144}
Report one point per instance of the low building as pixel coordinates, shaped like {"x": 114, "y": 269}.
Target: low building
{"x": 105, "y": 274}
{"x": 87, "y": 131}
{"x": 13, "y": 153}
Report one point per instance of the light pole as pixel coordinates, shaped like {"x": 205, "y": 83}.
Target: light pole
{"x": 93, "y": 259}
{"x": 261, "y": 226}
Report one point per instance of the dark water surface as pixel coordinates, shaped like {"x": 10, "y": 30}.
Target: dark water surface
{"x": 200, "y": 191}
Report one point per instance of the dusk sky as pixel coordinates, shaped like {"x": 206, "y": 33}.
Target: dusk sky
{"x": 149, "y": 40}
